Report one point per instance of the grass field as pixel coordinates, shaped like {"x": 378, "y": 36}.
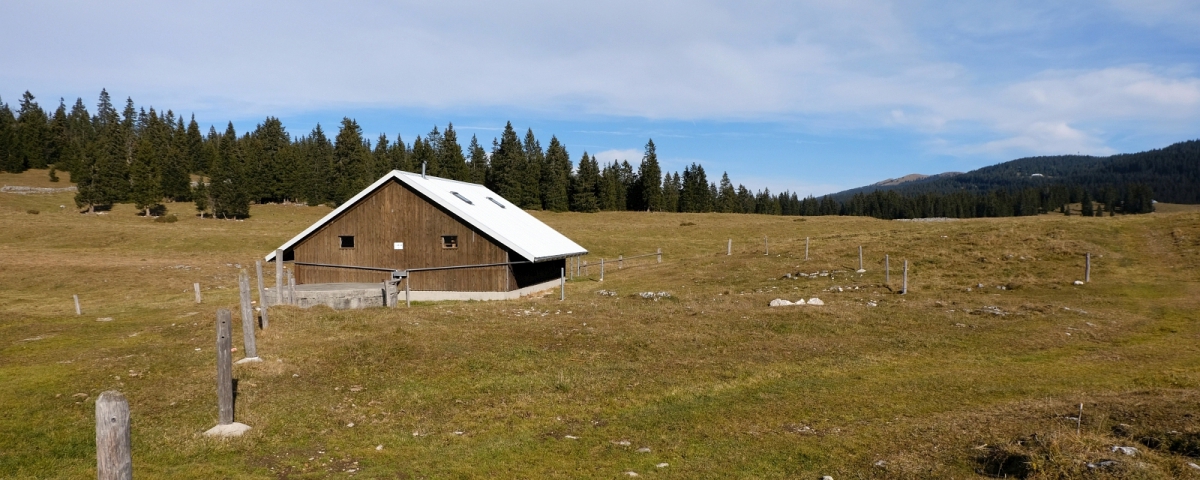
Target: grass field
{"x": 952, "y": 380}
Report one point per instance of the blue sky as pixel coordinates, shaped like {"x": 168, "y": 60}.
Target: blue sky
{"x": 812, "y": 97}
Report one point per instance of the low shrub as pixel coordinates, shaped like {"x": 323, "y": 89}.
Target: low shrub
{"x": 33, "y": 211}
{"x": 166, "y": 219}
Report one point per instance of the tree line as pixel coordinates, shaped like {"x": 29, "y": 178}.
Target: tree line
{"x": 149, "y": 158}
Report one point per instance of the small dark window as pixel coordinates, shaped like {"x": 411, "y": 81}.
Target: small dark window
{"x": 347, "y": 241}
{"x": 449, "y": 241}
{"x": 501, "y": 205}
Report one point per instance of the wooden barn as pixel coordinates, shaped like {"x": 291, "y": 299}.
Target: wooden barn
{"x": 455, "y": 240}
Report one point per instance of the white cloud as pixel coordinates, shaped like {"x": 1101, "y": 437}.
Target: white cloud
{"x": 608, "y": 156}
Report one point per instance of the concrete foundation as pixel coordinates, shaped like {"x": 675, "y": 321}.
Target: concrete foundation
{"x": 346, "y": 296}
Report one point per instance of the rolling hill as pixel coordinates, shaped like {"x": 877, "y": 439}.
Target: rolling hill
{"x": 1173, "y": 173}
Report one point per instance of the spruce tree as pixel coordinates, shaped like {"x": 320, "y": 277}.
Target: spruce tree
{"x": 8, "y": 132}
{"x": 531, "y": 172}
{"x": 450, "y": 157}
{"x": 423, "y": 157}
{"x": 670, "y": 189}
{"x": 1086, "y": 205}
{"x": 58, "y": 137}
{"x": 352, "y": 162}
{"x": 727, "y": 201}
{"x": 176, "y": 183}
{"x": 479, "y": 162}
{"x": 401, "y": 156}
{"x": 556, "y": 177}
{"x": 584, "y": 185}
{"x": 507, "y": 160}
{"x": 649, "y": 176}
{"x": 200, "y": 196}
{"x": 32, "y": 135}
{"x": 194, "y": 148}
{"x": 145, "y": 177}
{"x": 320, "y": 159}
{"x": 382, "y": 156}
{"x": 230, "y": 198}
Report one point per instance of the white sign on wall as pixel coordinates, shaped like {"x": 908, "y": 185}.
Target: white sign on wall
{"x": 398, "y": 246}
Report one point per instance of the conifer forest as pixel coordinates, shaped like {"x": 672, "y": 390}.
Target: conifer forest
{"x": 158, "y": 160}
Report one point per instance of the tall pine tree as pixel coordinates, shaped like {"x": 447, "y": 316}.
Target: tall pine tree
{"x": 556, "y": 177}
{"x": 649, "y": 176}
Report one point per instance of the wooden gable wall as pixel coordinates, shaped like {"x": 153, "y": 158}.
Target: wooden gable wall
{"x": 396, "y": 213}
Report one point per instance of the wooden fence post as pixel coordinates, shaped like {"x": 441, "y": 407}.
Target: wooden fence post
{"x": 904, "y": 290}
{"x": 291, "y": 298}
{"x": 224, "y": 367}
{"x": 196, "y": 287}
{"x": 262, "y": 297}
{"x": 729, "y": 247}
{"x": 806, "y": 248}
{"x": 407, "y": 298}
{"x": 562, "y": 284}
{"x": 766, "y": 246}
{"x": 226, "y": 427}
{"x": 1087, "y": 269}
{"x": 860, "y": 267}
{"x": 279, "y": 277}
{"x": 620, "y": 260}
{"x": 659, "y": 254}
{"x": 114, "y": 460}
{"x": 601, "y": 269}
{"x": 77, "y": 310}
{"x": 247, "y": 316}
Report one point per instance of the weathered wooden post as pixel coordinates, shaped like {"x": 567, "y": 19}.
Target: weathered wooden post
{"x": 384, "y": 301}
{"x": 407, "y": 298}
{"x": 659, "y": 254}
{"x": 196, "y": 287}
{"x": 904, "y": 290}
{"x": 887, "y": 270}
{"x": 262, "y": 297}
{"x": 766, "y": 246}
{"x": 114, "y": 460}
{"x": 860, "y": 267}
{"x": 806, "y": 248}
{"x": 226, "y": 427}
{"x": 601, "y": 269}
{"x": 77, "y": 310}
{"x": 279, "y": 277}
{"x": 562, "y": 284}
{"x": 291, "y": 297}
{"x": 620, "y": 260}
{"x": 247, "y": 316}
{"x": 1087, "y": 269}
{"x": 224, "y": 367}
{"x": 729, "y": 247}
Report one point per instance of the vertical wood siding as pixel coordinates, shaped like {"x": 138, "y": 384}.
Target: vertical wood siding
{"x": 395, "y": 213}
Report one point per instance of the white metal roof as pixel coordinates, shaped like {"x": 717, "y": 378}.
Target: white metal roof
{"x": 479, "y": 207}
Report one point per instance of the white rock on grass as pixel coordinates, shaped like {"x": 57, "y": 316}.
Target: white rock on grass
{"x": 1130, "y": 451}
{"x": 815, "y": 301}
{"x": 1078, "y": 282}
{"x": 800, "y": 302}
{"x": 779, "y": 302}
{"x": 234, "y": 429}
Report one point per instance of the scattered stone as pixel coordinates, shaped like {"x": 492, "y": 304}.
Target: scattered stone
{"x": 1078, "y": 282}
{"x": 826, "y": 477}
{"x": 779, "y": 302}
{"x": 248, "y": 360}
{"x": 623, "y": 443}
{"x": 234, "y": 429}
{"x": 961, "y": 325}
{"x": 350, "y": 425}
{"x": 665, "y": 465}
{"x": 104, "y": 319}
{"x": 979, "y": 285}
{"x": 378, "y": 447}
{"x": 607, "y": 293}
{"x": 570, "y": 437}
{"x": 653, "y": 296}
{"x": 880, "y": 463}
{"x": 872, "y": 304}
{"x": 800, "y": 301}
{"x": 644, "y": 450}
{"x": 861, "y": 270}
{"x": 1190, "y": 464}
{"x": 815, "y": 301}
{"x": 80, "y": 395}
{"x": 356, "y": 388}
{"x": 631, "y": 473}
{"x": 294, "y": 375}
{"x": 1129, "y": 451}
{"x": 1102, "y": 464}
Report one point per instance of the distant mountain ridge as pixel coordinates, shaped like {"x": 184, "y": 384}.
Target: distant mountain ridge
{"x": 1173, "y": 173}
